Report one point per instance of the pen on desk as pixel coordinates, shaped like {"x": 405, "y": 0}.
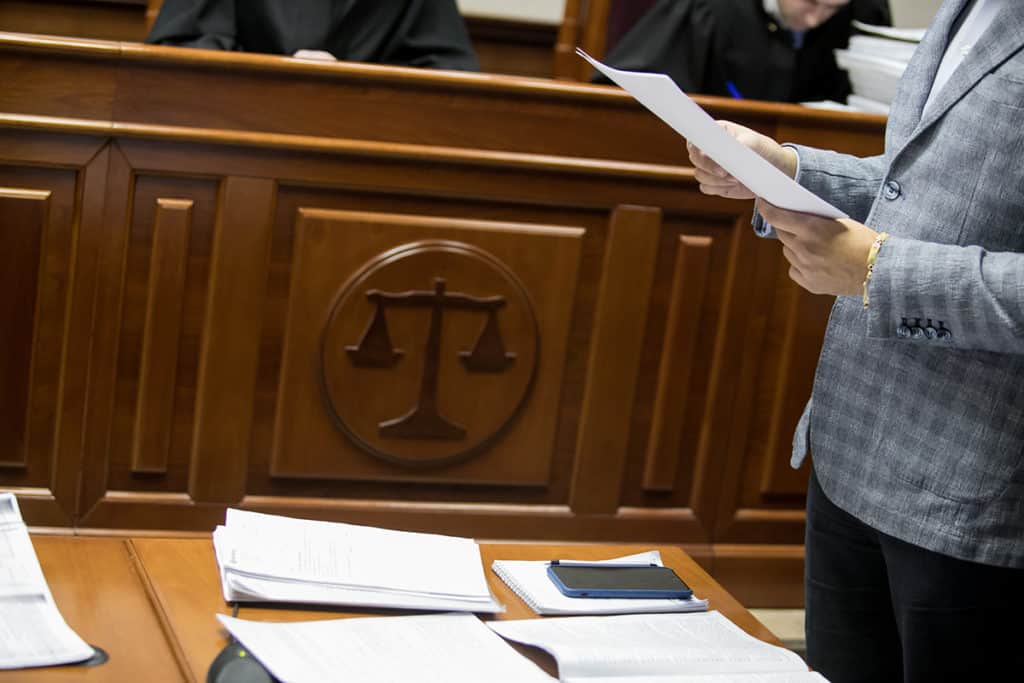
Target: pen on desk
{"x": 601, "y": 563}
{"x": 733, "y": 90}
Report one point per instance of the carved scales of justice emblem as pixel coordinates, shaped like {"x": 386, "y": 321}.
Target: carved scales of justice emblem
{"x": 434, "y": 375}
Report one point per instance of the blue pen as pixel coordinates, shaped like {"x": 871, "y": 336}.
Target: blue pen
{"x": 733, "y": 90}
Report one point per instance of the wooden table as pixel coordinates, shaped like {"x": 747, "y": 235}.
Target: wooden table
{"x": 97, "y": 587}
{"x": 150, "y": 602}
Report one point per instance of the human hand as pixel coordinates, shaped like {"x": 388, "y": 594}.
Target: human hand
{"x": 316, "y": 55}
{"x": 826, "y": 255}
{"x": 716, "y": 180}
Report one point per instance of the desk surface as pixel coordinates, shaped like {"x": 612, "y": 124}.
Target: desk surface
{"x": 97, "y": 587}
{"x": 149, "y": 602}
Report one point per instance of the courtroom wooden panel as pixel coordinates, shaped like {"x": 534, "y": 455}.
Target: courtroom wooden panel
{"x": 37, "y": 230}
{"x": 394, "y": 376}
{"x": 154, "y": 409}
{"x": 614, "y": 355}
{"x": 164, "y": 317}
{"x": 106, "y": 19}
{"x": 21, "y": 234}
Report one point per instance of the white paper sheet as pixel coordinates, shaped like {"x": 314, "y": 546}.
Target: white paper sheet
{"x": 643, "y": 646}
{"x": 269, "y": 557}
{"x": 662, "y": 96}
{"x": 32, "y": 631}
{"x": 435, "y": 648}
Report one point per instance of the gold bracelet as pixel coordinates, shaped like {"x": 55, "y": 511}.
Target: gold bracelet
{"x": 872, "y": 257}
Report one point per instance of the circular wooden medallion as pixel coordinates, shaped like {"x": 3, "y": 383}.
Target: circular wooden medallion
{"x": 429, "y": 353}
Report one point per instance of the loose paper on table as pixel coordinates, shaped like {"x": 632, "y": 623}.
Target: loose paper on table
{"x": 272, "y": 558}
{"x": 32, "y": 630}
{"x": 662, "y": 96}
{"x": 434, "y": 648}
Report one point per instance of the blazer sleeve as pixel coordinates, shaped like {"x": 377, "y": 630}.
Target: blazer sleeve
{"x": 972, "y": 297}
{"x": 208, "y": 24}
{"x": 847, "y": 182}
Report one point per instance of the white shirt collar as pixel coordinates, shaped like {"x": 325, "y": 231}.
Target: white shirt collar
{"x": 772, "y": 8}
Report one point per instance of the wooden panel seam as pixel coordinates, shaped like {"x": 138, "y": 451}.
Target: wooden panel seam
{"x": 692, "y": 267}
{"x": 228, "y": 364}
{"x": 161, "y": 331}
{"x": 159, "y": 608}
{"x": 620, "y": 320}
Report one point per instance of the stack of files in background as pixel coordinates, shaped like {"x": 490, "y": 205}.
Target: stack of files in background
{"x": 529, "y": 580}
{"x": 875, "y": 61}
{"x": 32, "y": 631}
{"x": 281, "y": 559}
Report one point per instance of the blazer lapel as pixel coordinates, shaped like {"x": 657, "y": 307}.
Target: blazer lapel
{"x": 912, "y": 93}
{"x": 1003, "y": 38}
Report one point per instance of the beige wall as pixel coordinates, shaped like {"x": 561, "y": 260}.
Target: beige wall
{"x": 907, "y": 13}
{"x": 541, "y": 11}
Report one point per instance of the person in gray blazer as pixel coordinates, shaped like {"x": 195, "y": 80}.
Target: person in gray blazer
{"x": 915, "y": 511}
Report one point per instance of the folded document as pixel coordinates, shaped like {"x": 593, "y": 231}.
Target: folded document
{"x": 281, "y": 559}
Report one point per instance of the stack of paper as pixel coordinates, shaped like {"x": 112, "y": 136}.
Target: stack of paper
{"x": 32, "y": 631}
{"x": 281, "y": 559}
{"x": 529, "y": 580}
{"x": 875, "y": 61}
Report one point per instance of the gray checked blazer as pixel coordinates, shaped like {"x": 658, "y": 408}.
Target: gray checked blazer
{"x": 916, "y": 420}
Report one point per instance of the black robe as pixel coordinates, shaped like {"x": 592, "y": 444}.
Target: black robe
{"x": 423, "y": 33}
{"x": 706, "y": 44}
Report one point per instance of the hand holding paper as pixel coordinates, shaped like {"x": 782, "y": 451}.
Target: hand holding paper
{"x": 663, "y": 97}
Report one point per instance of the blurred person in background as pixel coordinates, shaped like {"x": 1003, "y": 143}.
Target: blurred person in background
{"x": 779, "y": 50}
{"x": 420, "y": 33}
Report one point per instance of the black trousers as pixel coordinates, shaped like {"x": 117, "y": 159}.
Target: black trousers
{"x": 879, "y": 609}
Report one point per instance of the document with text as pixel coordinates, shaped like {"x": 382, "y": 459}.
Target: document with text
{"x": 281, "y": 559}
{"x": 703, "y": 647}
{"x": 32, "y": 630}
{"x": 662, "y": 96}
{"x": 432, "y": 648}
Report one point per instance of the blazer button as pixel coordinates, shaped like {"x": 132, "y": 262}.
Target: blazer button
{"x": 902, "y": 331}
{"x": 916, "y": 333}
{"x": 944, "y": 334}
{"x": 892, "y": 190}
{"x": 930, "y": 332}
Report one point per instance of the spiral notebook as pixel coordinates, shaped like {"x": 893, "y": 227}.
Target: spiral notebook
{"x": 529, "y": 580}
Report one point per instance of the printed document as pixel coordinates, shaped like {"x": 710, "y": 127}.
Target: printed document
{"x": 432, "y": 648}
{"x": 703, "y": 647}
{"x": 32, "y": 631}
{"x": 281, "y": 559}
{"x": 662, "y": 96}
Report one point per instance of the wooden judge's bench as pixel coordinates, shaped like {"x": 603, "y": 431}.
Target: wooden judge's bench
{"x": 484, "y": 305}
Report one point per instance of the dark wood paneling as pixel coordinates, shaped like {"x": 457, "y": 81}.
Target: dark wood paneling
{"x": 623, "y": 297}
{"x": 154, "y": 411}
{"x": 104, "y": 19}
{"x": 25, "y": 215}
{"x": 678, "y": 364}
{"x": 228, "y": 361}
{"x": 332, "y": 405}
{"x": 672, "y": 353}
